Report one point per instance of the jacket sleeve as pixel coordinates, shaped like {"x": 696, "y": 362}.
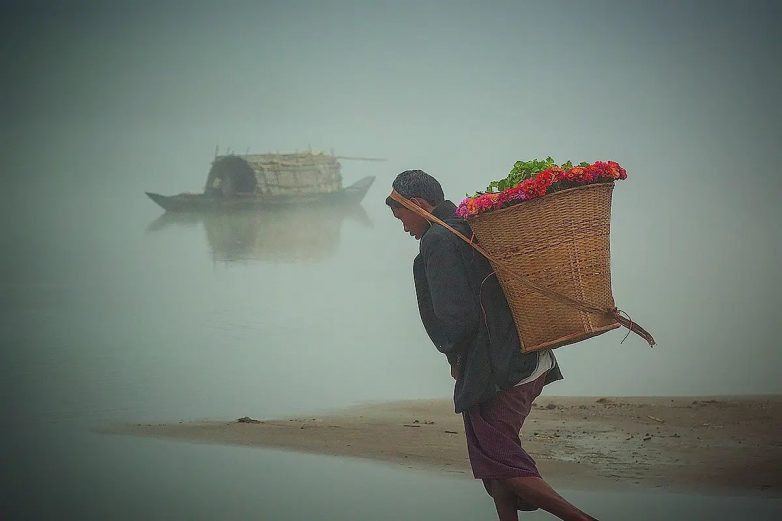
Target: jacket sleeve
{"x": 456, "y": 311}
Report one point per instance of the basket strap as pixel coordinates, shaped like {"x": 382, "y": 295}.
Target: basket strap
{"x": 615, "y": 313}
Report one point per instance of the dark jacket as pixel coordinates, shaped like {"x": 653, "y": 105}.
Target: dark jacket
{"x": 466, "y": 315}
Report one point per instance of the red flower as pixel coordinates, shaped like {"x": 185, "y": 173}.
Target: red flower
{"x": 541, "y": 184}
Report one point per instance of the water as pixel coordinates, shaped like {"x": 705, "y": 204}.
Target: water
{"x": 63, "y": 472}
{"x": 119, "y": 309}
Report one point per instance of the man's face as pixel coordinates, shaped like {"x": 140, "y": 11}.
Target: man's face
{"x": 413, "y": 223}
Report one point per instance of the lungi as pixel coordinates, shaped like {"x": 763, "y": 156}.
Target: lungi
{"x": 492, "y": 430}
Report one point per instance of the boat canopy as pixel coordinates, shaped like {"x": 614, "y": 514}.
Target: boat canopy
{"x": 274, "y": 174}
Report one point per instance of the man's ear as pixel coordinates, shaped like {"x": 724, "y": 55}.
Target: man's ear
{"x": 423, "y": 203}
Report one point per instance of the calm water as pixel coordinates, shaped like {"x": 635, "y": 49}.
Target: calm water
{"x": 67, "y": 473}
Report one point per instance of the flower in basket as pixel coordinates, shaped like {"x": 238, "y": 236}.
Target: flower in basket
{"x": 517, "y": 193}
{"x": 532, "y": 179}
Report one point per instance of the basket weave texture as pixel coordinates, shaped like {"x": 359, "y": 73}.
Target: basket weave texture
{"x": 561, "y": 242}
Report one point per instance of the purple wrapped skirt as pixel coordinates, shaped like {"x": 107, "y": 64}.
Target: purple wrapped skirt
{"x": 492, "y": 430}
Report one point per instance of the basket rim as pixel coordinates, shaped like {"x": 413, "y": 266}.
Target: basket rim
{"x": 483, "y": 215}
{"x": 571, "y": 339}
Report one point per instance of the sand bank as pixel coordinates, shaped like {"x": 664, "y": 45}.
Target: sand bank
{"x": 712, "y": 445}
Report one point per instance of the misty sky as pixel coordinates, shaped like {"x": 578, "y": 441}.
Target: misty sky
{"x": 104, "y": 100}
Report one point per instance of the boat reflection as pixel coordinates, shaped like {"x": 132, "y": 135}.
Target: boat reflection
{"x": 295, "y": 234}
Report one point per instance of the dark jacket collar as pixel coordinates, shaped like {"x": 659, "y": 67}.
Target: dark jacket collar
{"x": 445, "y": 211}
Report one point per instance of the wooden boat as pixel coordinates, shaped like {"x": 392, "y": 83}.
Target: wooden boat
{"x": 269, "y": 180}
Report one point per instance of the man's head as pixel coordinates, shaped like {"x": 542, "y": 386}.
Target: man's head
{"x": 421, "y": 188}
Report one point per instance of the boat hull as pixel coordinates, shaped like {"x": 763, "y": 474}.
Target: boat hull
{"x": 353, "y": 194}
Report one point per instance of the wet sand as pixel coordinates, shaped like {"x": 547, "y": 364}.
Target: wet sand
{"x": 709, "y": 445}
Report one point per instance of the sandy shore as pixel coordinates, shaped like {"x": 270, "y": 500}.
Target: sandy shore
{"x": 711, "y": 445}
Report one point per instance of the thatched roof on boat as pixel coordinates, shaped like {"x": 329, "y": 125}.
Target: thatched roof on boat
{"x": 274, "y": 174}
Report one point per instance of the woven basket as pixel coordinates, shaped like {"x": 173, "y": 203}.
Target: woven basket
{"x": 560, "y": 242}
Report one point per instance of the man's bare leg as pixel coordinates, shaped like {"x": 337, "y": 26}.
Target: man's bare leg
{"x": 539, "y": 493}
{"x": 504, "y": 500}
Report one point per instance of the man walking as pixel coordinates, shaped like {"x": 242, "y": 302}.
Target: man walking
{"x": 467, "y": 317}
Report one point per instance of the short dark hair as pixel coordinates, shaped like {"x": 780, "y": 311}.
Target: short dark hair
{"x": 417, "y": 183}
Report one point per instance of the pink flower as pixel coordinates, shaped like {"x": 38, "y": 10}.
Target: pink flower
{"x": 461, "y": 210}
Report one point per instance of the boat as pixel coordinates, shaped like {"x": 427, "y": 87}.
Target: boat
{"x": 254, "y": 181}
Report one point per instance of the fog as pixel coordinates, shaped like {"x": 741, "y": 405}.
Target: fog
{"x": 115, "y": 311}
{"x": 107, "y": 309}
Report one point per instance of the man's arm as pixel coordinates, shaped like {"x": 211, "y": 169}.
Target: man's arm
{"x": 452, "y": 300}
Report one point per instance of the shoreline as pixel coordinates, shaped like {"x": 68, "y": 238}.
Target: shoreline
{"x": 707, "y": 445}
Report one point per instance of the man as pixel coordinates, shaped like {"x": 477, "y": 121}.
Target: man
{"x": 465, "y": 313}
